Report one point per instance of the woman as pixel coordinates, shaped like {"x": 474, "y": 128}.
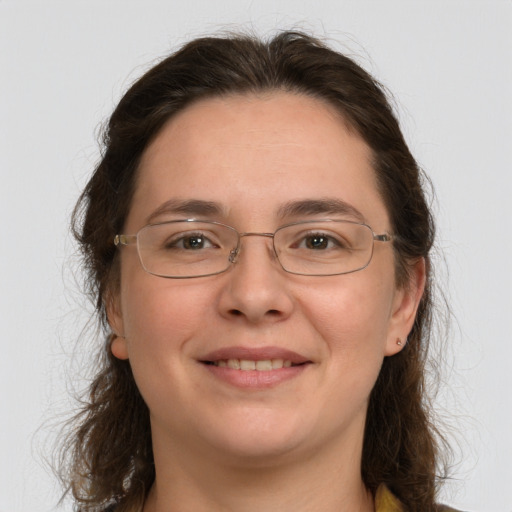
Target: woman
{"x": 257, "y": 241}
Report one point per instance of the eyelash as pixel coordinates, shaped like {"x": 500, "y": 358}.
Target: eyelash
{"x": 181, "y": 238}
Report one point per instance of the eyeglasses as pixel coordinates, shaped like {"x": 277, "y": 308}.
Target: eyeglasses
{"x": 193, "y": 248}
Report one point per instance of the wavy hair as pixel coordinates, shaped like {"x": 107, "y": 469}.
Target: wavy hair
{"x": 109, "y": 457}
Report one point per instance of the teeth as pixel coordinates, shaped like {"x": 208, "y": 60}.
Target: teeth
{"x": 234, "y": 364}
{"x": 264, "y": 365}
{"x": 247, "y": 365}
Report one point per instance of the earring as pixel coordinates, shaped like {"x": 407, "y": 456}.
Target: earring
{"x": 399, "y": 342}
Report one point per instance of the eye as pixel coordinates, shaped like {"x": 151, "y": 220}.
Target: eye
{"x": 316, "y": 241}
{"x": 190, "y": 242}
{"x": 319, "y": 242}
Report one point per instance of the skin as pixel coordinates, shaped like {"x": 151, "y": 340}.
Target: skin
{"x": 297, "y": 445}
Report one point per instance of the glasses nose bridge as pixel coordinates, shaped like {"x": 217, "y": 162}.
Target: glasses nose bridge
{"x": 235, "y": 253}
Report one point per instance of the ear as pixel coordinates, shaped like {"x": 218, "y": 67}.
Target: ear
{"x": 118, "y": 344}
{"x": 405, "y": 306}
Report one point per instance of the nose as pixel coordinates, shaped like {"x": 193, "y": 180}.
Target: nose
{"x": 257, "y": 288}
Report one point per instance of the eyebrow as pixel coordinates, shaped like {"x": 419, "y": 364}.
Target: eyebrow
{"x": 190, "y": 207}
{"x": 301, "y": 208}
{"x": 324, "y": 206}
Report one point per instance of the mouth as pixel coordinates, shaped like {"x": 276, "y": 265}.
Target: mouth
{"x": 255, "y": 368}
{"x": 262, "y": 365}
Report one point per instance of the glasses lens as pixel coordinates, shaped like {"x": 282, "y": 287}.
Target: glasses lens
{"x": 324, "y": 248}
{"x": 186, "y": 248}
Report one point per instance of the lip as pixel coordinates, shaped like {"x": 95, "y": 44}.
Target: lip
{"x": 254, "y": 354}
{"x": 255, "y": 379}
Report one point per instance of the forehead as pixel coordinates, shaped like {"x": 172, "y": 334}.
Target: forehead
{"x": 252, "y": 153}
{"x": 280, "y": 120}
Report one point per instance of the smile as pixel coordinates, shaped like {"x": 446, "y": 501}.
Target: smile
{"x": 263, "y": 365}
{"x": 254, "y": 368}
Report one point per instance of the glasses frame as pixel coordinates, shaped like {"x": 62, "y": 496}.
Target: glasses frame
{"x": 121, "y": 240}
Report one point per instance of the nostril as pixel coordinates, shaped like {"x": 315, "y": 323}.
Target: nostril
{"x": 271, "y": 312}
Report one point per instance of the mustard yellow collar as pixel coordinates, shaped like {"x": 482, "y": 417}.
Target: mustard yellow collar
{"x": 385, "y": 501}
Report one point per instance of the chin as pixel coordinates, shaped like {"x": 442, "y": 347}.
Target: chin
{"x": 259, "y": 453}
{"x": 259, "y": 441}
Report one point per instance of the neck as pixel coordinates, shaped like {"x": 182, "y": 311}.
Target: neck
{"x": 327, "y": 480}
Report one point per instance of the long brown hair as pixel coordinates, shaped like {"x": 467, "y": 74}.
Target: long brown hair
{"x": 110, "y": 457}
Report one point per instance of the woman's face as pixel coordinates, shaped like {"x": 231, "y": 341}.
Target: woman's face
{"x": 252, "y": 156}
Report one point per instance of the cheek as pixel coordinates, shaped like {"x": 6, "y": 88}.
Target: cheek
{"x": 153, "y": 306}
{"x": 351, "y": 321}
{"x": 352, "y": 315}
{"x": 162, "y": 318}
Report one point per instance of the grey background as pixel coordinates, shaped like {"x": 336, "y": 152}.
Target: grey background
{"x": 63, "y": 65}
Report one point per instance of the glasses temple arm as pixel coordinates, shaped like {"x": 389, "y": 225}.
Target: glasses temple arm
{"x": 385, "y": 237}
{"x": 125, "y": 239}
